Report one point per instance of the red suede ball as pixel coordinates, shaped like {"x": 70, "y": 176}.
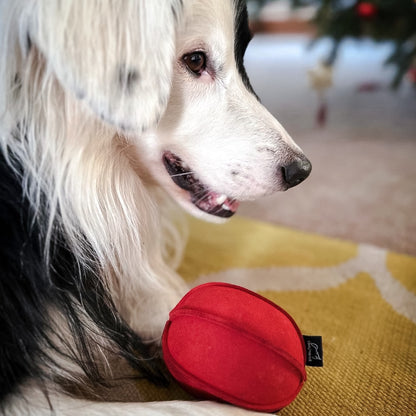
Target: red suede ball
{"x": 227, "y": 343}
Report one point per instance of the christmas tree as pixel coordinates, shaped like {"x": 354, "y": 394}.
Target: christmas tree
{"x": 381, "y": 20}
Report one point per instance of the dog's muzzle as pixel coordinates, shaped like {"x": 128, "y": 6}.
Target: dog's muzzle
{"x": 201, "y": 195}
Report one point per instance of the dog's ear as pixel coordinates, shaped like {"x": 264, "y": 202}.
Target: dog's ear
{"x": 117, "y": 55}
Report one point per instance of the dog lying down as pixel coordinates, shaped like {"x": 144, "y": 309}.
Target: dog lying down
{"x": 112, "y": 113}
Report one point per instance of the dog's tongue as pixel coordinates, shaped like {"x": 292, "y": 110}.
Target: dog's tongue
{"x": 215, "y": 203}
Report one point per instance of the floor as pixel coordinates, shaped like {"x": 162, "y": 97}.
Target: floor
{"x": 363, "y": 183}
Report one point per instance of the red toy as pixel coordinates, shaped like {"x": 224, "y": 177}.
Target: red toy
{"x": 227, "y": 343}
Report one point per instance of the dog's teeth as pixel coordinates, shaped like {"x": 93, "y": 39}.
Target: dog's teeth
{"x": 226, "y": 207}
{"x": 221, "y": 199}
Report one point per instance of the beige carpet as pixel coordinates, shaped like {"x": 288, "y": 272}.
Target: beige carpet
{"x": 363, "y": 183}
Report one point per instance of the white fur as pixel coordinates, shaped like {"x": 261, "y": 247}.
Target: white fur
{"x": 93, "y": 145}
{"x": 33, "y": 403}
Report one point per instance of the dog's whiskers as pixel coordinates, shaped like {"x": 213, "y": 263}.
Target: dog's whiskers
{"x": 201, "y": 196}
{"x": 182, "y": 174}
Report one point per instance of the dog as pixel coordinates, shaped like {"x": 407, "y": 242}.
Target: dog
{"x": 114, "y": 113}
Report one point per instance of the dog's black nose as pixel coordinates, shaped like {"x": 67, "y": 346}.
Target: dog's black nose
{"x": 296, "y": 171}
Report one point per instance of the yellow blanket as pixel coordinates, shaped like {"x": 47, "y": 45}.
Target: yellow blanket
{"x": 360, "y": 298}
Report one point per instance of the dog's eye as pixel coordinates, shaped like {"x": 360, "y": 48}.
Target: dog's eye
{"x": 196, "y": 62}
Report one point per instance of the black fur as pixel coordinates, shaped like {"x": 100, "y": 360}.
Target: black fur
{"x": 29, "y": 291}
{"x": 128, "y": 79}
{"x": 242, "y": 39}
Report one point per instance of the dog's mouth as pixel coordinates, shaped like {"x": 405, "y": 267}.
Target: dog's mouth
{"x": 201, "y": 195}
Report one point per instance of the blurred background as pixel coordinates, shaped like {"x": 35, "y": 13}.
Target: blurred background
{"x": 340, "y": 75}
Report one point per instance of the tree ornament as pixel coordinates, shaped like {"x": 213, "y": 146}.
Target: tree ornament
{"x": 366, "y": 10}
{"x": 411, "y": 75}
{"x": 320, "y": 79}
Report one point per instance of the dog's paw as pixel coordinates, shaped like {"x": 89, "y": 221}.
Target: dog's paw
{"x": 149, "y": 314}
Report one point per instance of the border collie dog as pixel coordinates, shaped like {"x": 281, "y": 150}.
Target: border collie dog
{"x": 113, "y": 113}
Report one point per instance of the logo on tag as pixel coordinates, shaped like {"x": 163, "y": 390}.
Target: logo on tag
{"x": 314, "y": 351}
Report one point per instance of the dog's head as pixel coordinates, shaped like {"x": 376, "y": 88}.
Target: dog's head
{"x": 169, "y": 75}
{"x": 218, "y": 144}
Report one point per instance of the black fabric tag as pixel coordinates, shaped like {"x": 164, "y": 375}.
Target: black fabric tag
{"x": 314, "y": 351}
